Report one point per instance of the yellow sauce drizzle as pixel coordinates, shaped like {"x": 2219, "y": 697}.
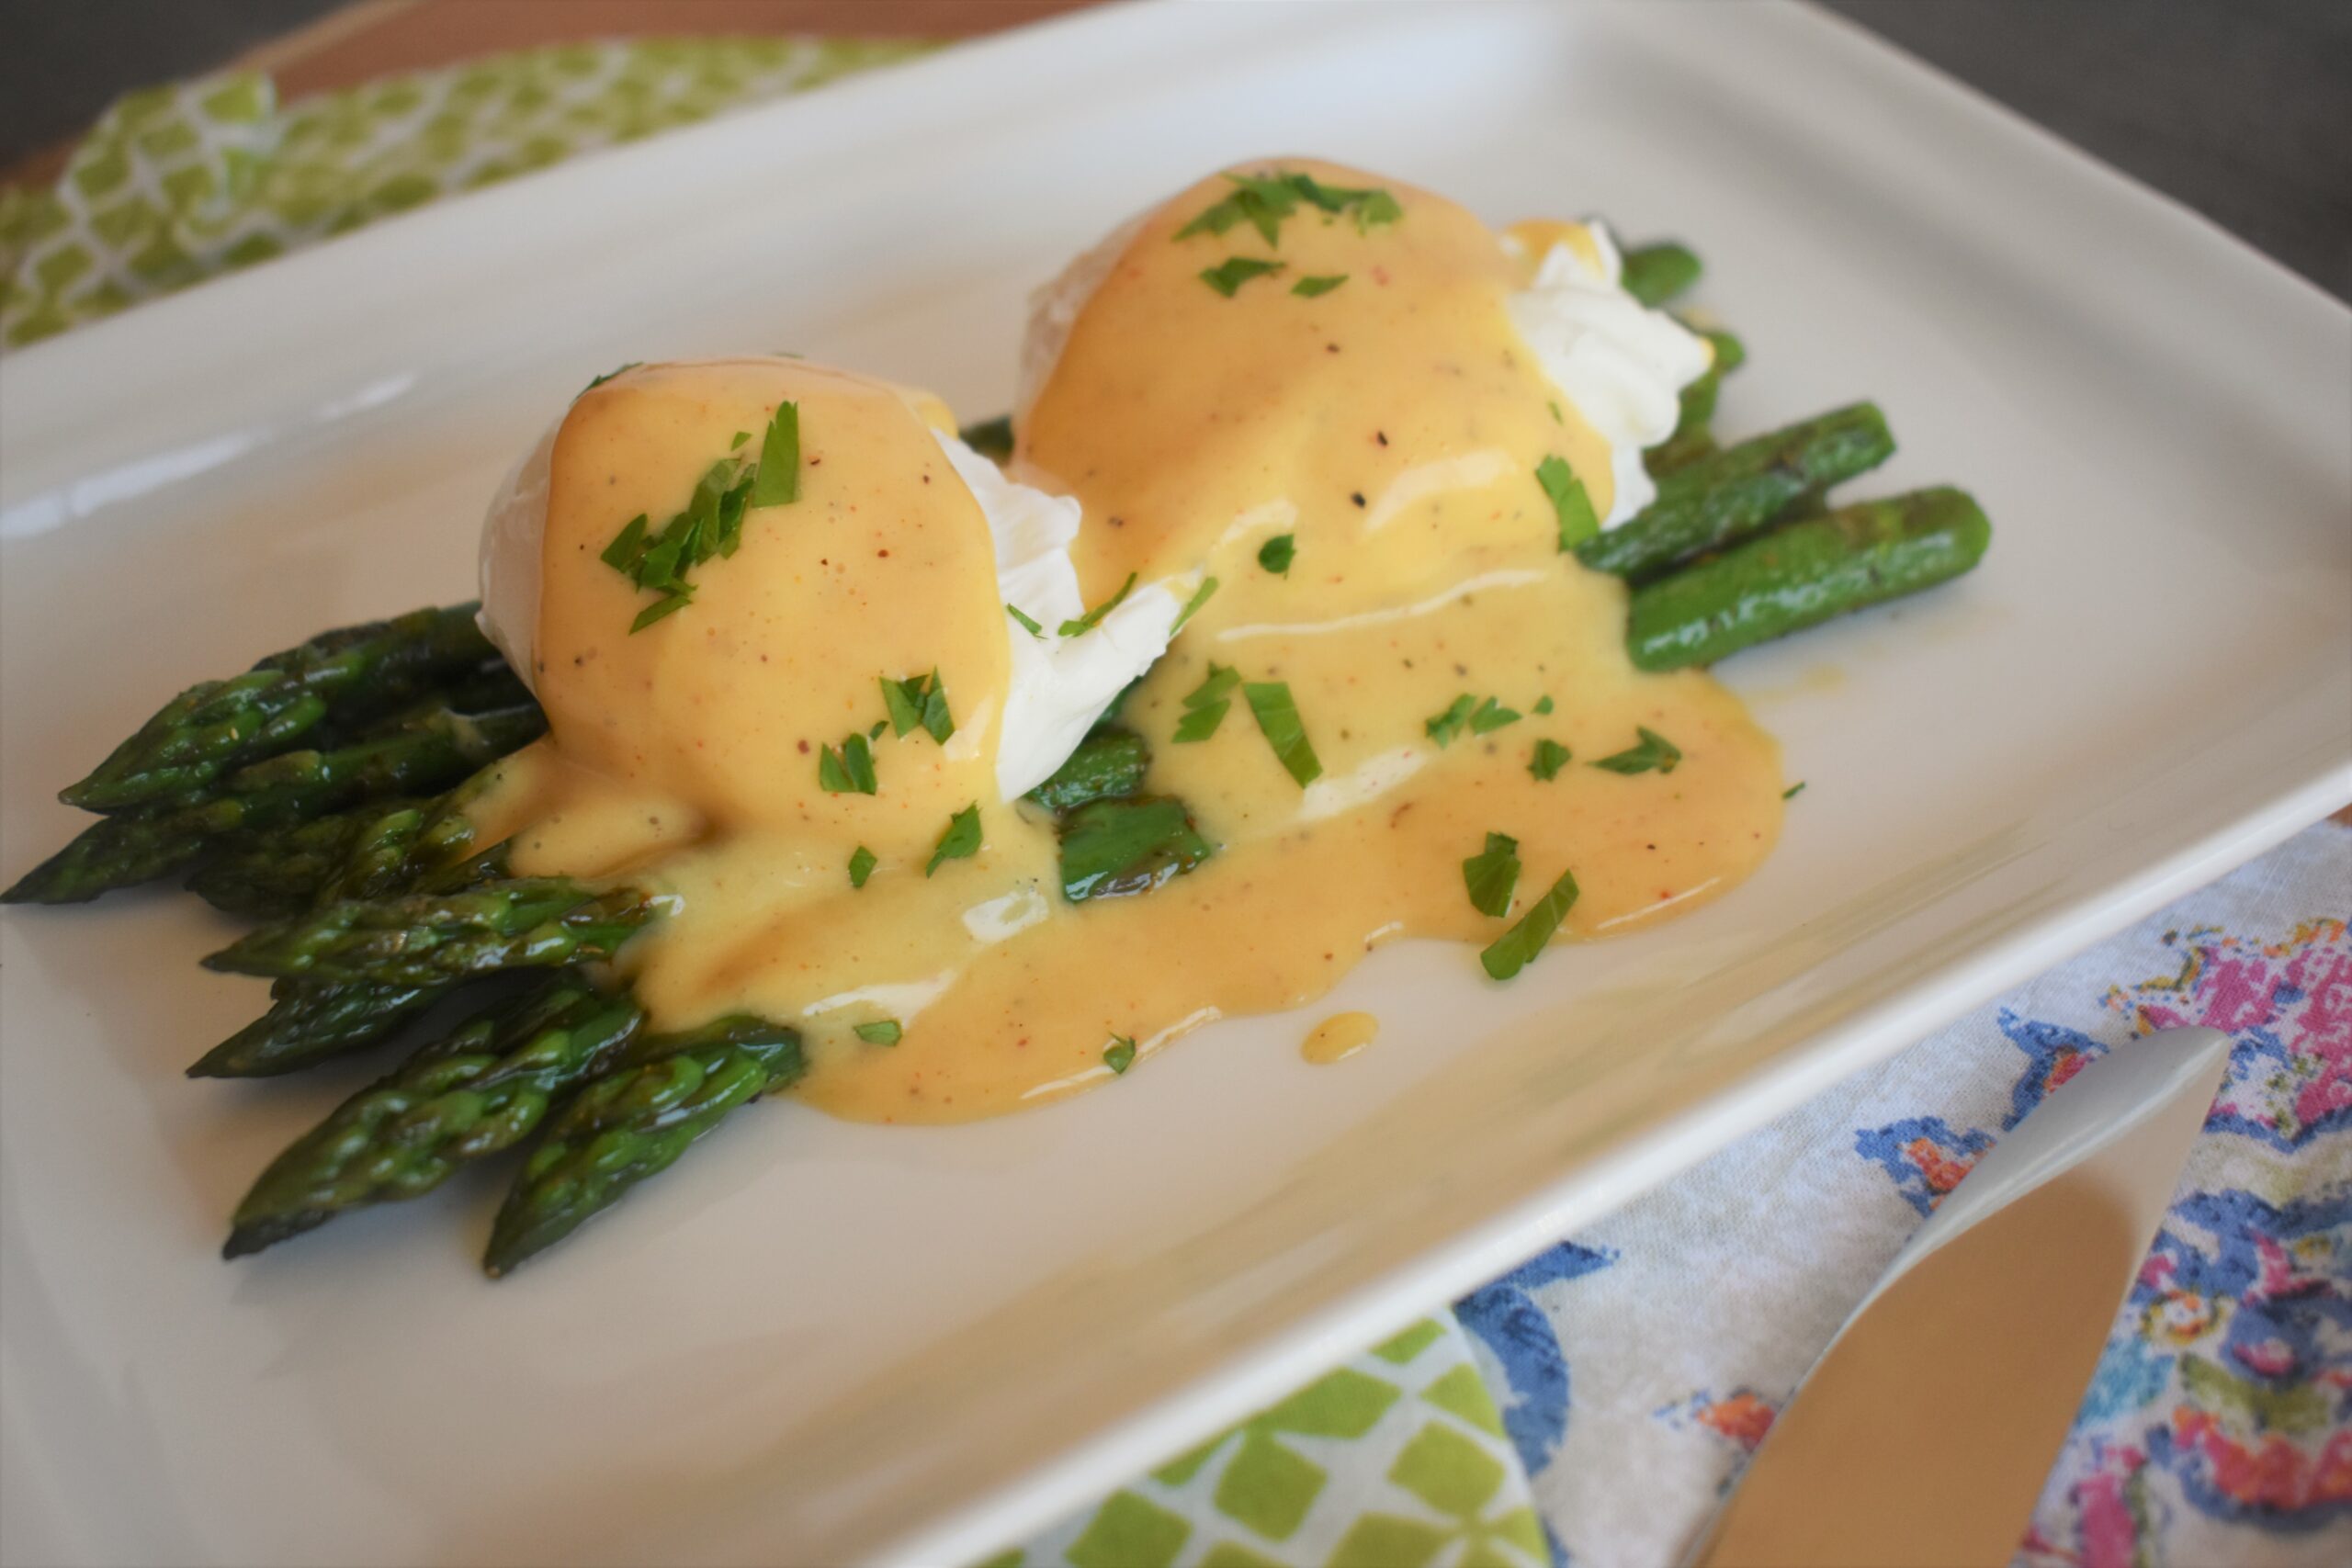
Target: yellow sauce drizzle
{"x": 1337, "y": 1037}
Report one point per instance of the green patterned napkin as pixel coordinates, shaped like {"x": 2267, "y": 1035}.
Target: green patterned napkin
{"x": 1397, "y": 1458}
{"x": 181, "y": 183}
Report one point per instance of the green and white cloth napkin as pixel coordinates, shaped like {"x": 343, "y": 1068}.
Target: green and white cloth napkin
{"x": 184, "y": 182}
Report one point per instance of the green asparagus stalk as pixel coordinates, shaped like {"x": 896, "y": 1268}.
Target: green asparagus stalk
{"x": 1719, "y": 500}
{"x": 423, "y": 939}
{"x": 1109, "y": 762}
{"x": 1802, "y": 574}
{"x": 216, "y": 726}
{"x": 483, "y": 1089}
{"x": 309, "y": 1022}
{"x": 1656, "y": 274}
{"x": 1111, "y": 848}
{"x": 634, "y": 1122}
{"x": 271, "y": 875}
{"x": 277, "y": 792}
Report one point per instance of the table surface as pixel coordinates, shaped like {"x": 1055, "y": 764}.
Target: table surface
{"x": 2241, "y": 109}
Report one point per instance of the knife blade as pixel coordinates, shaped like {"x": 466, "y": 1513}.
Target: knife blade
{"x": 1923, "y": 1434}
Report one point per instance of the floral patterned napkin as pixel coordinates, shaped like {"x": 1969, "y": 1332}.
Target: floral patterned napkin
{"x": 1594, "y": 1405}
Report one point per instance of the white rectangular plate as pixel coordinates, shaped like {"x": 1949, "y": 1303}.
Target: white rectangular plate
{"x": 814, "y": 1342}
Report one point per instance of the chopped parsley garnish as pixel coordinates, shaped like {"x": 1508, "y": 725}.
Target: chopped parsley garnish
{"x": 1557, "y": 417}
{"x": 1263, "y": 201}
{"x": 862, "y": 862}
{"x": 1790, "y": 793}
{"x": 610, "y": 373}
{"x": 1516, "y": 948}
{"x": 1491, "y": 715}
{"x": 881, "y": 1032}
{"x": 1120, "y": 1054}
{"x": 1093, "y": 619}
{"x": 740, "y": 436}
{"x": 1199, "y": 597}
{"x": 1275, "y": 554}
{"x": 1228, "y": 276}
{"x": 1278, "y": 717}
{"x": 1654, "y": 751}
{"x": 849, "y": 770}
{"x": 1313, "y": 288}
{"x": 779, "y": 480}
{"x": 1549, "y": 759}
{"x": 1578, "y": 522}
{"x": 960, "y": 841}
{"x": 1444, "y": 726}
{"x": 919, "y": 702}
{"x": 1205, "y": 705}
{"x": 1027, "y": 624}
{"x": 1491, "y": 873}
{"x": 1544, "y": 705}
{"x": 712, "y": 522}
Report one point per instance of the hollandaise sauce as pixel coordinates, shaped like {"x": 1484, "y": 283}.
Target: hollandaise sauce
{"x": 1398, "y": 707}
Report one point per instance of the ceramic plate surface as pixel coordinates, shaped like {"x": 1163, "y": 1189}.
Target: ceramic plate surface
{"x": 814, "y": 1343}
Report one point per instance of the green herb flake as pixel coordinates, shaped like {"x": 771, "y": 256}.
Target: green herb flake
{"x": 628, "y": 544}
{"x": 960, "y": 841}
{"x": 1516, "y": 948}
{"x": 920, "y": 702}
{"x": 1549, "y": 759}
{"x": 1793, "y": 791}
{"x": 1543, "y": 704}
{"x": 1205, "y": 705}
{"x": 1228, "y": 276}
{"x": 1120, "y": 1054}
{"x": 1264, "y": 201}
{"x": 1492, "y": 715}
{"x": 779, "y": 475}
{"x": 881, "y": 1032}
{"x": 658, "y": 609}
{"x": 1275, "y": 554}
{"x": 862, "y": 862}
{"x": 1315, "y": 288}
{"x": 740, "y": 436}
{"x": 1093, "y": 619}
{"x": 1278, "y": 718}
{"x": 1652, "y": 752}
{"x": 1569, "y": 503}
{"x": 1492, "y": 874}
{"x": 608, "y": 375}
{"x": 1444, "y": 726}
{"x": 1201, "y": 596}
{"x": 849, "y": 770}
{"x": 1027, "y": 624}
{"x": 1200, "y": 723}
{"x": 1557, "y": 417}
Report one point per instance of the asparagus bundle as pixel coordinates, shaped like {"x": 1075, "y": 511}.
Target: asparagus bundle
{"x": 216, "y": 726}
{"x": 633, "y": 1124}
{"x": 428, "y": 754}
{"x": 482, "y": 1089}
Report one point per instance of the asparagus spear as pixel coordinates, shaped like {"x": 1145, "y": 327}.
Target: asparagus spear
{"x": 1654, "y": 273}
{"x": 280, "y": 791}
{"x": 308, "y": 1021}
{"x": 1116, "y": 847}
{"x": 1721, "y": 499}
{"x": 215, "y": 726}
{"x": 1804, "y": 574}
{"x": 991, "y": 438}
{"x": 423, "y": 939}
{"x": 1110, "y": 762}
{"x": 270, "y": 874}
{"x": 633, "y": 1123}
{"x": 482, "y": 1089}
